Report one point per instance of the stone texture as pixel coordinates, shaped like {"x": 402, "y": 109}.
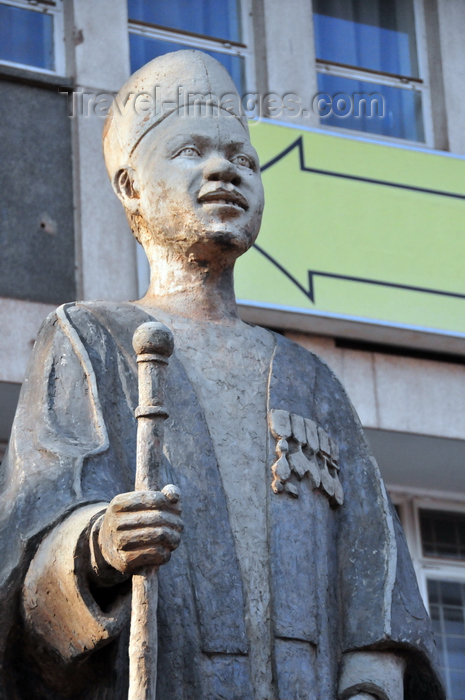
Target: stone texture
{"x": 37, "y": 224}
{"x": 269, "y": 589}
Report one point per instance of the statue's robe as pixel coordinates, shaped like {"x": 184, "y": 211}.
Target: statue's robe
{"x": 340, "y": 576}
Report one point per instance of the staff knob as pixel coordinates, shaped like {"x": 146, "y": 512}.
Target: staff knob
{"x": 153, "y": 338}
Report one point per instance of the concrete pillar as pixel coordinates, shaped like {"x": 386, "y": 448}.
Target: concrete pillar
{"x": 98, "y": 56}
{"x": 290, "y": 51}
{"x": 452, "y": 32}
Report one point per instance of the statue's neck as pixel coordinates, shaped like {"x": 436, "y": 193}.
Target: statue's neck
{"x": 197, "y": 289}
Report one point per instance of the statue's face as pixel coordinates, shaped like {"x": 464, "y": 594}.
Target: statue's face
{"x": 198, "y": 185}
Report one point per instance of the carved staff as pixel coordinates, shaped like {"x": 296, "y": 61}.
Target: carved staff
{"x": 153, "y": 343}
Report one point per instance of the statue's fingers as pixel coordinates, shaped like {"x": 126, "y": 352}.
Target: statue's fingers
{"x": 148, "y": 537}
{"x": 149, "y": 518}
{"x": 143, "y": 500}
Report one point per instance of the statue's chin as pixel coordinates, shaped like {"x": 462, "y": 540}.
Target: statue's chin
{"x": 203, "y": 241}
{"x": 219, "y": 246}
{"x": 234, "y": 239}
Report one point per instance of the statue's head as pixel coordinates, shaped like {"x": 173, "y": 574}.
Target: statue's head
{"x": 187, "y": 176}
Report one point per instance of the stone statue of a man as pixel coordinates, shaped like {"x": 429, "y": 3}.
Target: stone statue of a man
{"x": 291, "y": 579}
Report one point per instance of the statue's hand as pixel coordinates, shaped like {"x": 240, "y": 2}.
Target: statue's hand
{"x": 141, "y": 528}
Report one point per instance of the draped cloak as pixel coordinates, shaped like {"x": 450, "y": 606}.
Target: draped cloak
{"x": 341, "y": 578}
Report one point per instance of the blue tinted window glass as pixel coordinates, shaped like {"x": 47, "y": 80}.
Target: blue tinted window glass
{"x": 143, "y": 49}
{"x": 217, "y": 18}
{"x": 26, "y": 37}
{"x": 399, "y": 115}
{"x": 375, "y": 34}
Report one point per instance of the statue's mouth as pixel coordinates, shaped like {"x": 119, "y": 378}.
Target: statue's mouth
{"x": 225, "y": 197}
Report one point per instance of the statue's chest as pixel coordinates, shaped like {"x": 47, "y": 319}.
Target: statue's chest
{"x": 229, "y": 373}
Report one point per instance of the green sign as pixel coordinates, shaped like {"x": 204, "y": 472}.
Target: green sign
{"x": 358, "y": 229}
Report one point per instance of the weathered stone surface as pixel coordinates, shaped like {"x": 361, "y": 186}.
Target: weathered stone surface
{"x": 278, "y": 590}
{"x": 378, "y": 673}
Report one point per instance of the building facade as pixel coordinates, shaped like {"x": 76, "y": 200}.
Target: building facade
{"x": 395, "y": 337}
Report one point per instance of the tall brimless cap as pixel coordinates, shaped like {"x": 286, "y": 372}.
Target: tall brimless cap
{"x": 168, "y": 84}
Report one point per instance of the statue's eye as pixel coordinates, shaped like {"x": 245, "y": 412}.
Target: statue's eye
{"x": 188, "y": 152}
{"x": 243, "y": 160}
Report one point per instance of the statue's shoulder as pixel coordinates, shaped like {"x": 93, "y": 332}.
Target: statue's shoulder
{"x": 98, "y": 313}
{"x": 303, "y": 360}
{"x": 91, "y": 324}
{"x": 76, "y": 309}
{"x": 305, "y": 380}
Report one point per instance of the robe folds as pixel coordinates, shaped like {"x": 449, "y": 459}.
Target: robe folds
{"x": 340, "y": 575}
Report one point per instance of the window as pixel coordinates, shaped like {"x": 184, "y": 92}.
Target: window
{"x": 31, "y": 35}
{"x": 368, "y": 50}
{"x": 435, "y": 534}
{"x": 214, "y": 26}
{"x": 447, "y": 610}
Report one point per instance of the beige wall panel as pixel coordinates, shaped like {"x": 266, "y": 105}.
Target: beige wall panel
{"x": 397, "y": 393}
{"x": 420, "y": 396}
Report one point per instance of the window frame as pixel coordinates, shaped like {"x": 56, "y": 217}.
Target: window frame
{"x": 427, "y": 567}
{"x": 421, "y": 84}
{"x": 55, "y": 9}
{"x": 244, "y": 49}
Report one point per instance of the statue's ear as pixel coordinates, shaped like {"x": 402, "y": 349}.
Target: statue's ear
{"x": 126, "y": 186}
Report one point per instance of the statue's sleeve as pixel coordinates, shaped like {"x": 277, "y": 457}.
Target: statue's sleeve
{"x": 58, "y": 601}
{"x": 47, "y": 503}
{"x": 58, "y": 427}
{"x": 380, "y": 600}
{"x": 379, "y": 607}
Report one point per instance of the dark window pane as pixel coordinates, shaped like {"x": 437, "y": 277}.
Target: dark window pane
{"x": 442, "y": 534}
{"x": 447, "y": 551}
{"x": 379, "y": 35}
{"x": 461, "y": 530}
{"x": 451, "y": 593}
{"x": 401, "y": 116}
{"x": 26, "y": 37}
{"x": 426, "y": 530}
{"x": 143, "y": 49}
{"x": 216, "y": 18}
{"x": 433, "y": 593}
{"x": 429, "y": 549}
{"x": 445, "y": 530}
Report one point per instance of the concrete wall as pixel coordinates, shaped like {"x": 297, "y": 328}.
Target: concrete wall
{"x": 99, "y": 60}
{"x": 397, "y": 393}
{"x": 451, "y": 15}
{"x": 52, "y": 173}
{"x": 36, "y": 224}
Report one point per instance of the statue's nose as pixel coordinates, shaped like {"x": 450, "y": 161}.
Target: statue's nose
{"x": 220, "y": 169}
